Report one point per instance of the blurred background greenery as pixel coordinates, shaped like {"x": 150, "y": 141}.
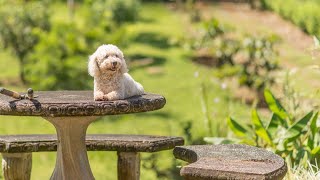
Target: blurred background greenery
{"x": 210, "y": 59}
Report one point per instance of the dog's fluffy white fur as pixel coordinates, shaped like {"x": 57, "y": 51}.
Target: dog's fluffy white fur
{"x": 111, "y": 80}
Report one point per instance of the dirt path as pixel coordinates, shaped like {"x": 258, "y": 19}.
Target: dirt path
{"x": 256, "y": 20}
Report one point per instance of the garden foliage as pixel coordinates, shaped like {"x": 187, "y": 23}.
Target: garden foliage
{"x": 251, "y": 59}
{"x": 124, "y": 10}
{"x": 213, "y": 28}
{"x": 258, "y": 60}
{"x": 56, "y": 61}
{"x": 20, "y": 23}
{"x": 295, "y": 139}
{"x": 304, "y": 13}
{"x": 52, "y": 52}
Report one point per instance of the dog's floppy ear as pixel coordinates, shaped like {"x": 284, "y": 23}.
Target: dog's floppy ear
{"x": 124, "y": 68}
{"x": 93, "y": 67}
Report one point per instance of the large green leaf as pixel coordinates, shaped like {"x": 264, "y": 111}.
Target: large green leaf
{"x": 236, "y": 128}
{"x": 301, "y": 156}
{"x": 315, "y": 151}
{"x": 274, "y": 123}
{"x": 313, "y": 124}
{"x": 260, "y": 129}
{"x": 313, "y": 129}
{"x": 274, "y": 105}
{"x": 295, "y": 130}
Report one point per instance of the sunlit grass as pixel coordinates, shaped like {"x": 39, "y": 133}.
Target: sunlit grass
{"x": 311, "y": 172}
{"x": 9, "y": 66}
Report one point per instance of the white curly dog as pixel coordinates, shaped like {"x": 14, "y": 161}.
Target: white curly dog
{"x": 111, "y": 80}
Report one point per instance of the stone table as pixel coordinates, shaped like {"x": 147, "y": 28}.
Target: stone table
{"x": 71, "y": 112}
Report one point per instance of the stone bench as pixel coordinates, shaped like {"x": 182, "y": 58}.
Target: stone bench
{"x": 232, "y": 161}
{"x": 17, "y": 151}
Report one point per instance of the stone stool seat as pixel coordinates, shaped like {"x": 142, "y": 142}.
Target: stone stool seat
{"x": 232, "y": 161}
{"x": 17, "y": 150}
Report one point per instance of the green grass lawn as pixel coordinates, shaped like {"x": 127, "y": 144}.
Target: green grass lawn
{"x": 9, "y": 70}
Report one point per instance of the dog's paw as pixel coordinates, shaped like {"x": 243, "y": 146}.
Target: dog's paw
{"x": 106, "y": 98}
{"x": 112, "y": 96}
{"x": 99, "y": 96}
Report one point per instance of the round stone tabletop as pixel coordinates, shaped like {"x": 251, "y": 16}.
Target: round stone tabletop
{"x": 77, "y": 103}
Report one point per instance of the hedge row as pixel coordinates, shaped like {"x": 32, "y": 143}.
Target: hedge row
{"x": 304, "y": 13}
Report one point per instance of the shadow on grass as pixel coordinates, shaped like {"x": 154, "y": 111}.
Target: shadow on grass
{"x": 153, "y": 39}
{"x": 114, "y": 118}
{"x": 146, "y": 20}
{"x": 141, "y": 116}
{"x": 138, "y": 61}
{"x": 160, "y": 115}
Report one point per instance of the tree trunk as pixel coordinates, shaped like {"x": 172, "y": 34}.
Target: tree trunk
{"x": 22, "y": 75}
{"x": 71, "y": 8}
{"x": 179, "y": 4}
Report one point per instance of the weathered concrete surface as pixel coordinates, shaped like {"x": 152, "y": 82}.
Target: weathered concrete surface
{"x": 128, "y": 165}
{"x": 94, "y": 142}
{"x": 71, "y": 112}
{"x": 16, "y": 166}
{"x": 77, "y": 103}
{"x": 230, "y": 162}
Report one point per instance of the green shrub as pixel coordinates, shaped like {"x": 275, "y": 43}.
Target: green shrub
{"x": 258, "y": 61}
{"x": 209, "y": 30}
{"x": 295, "y": 139}
{"x": 20, "y": 23}
{"x": 97, "y": 14}
{"x": 305, "y": 13}
{"x": 124, "y": 10}
{"x": 213, "y": 28}
{"x": 252, "y": 60}
{"x": 58, "y": 60}
{"x": 258, "y": 58}
{"x": 224, "y": 50}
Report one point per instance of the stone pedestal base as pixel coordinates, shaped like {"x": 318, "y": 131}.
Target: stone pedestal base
{"x": 72, "y": 160}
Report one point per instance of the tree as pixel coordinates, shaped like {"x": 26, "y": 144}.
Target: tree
{"x": 20, "y": 24}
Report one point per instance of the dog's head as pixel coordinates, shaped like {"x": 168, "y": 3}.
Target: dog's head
{"x": 108, "y": 60}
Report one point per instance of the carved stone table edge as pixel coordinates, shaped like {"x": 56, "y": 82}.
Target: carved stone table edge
{"x": 90, "y": 108}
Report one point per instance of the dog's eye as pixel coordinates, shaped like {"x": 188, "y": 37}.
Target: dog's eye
{"x": 117, "y": 56}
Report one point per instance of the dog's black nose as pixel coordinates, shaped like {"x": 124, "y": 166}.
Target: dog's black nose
{"x": 114, "y": 63}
